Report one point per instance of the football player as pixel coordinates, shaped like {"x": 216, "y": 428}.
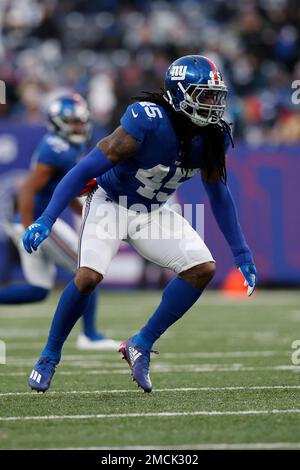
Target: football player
{"x": 57, "y": 153}
{"x": 163, "y": 140}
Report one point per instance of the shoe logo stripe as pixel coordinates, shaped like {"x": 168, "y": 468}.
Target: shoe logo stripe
{"x": 36, "y": 376}
{"x": 133, "y": 354}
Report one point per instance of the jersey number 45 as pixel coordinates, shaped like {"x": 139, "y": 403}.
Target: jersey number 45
{"x": 152, "y": 179}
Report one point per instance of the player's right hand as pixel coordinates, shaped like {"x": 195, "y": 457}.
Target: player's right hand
{"x": 36, "y": 233}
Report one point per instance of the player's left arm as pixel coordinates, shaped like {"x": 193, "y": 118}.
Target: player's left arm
{"x": 225, "y": 213}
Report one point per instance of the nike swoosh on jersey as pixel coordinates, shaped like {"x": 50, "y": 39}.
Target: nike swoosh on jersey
{"x": 133, "y": 114}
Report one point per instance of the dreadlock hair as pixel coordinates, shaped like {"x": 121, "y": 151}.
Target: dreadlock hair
{"x": 213, "y": 136}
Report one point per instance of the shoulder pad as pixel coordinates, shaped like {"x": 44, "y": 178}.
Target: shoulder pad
{"x": 141, "y": 117}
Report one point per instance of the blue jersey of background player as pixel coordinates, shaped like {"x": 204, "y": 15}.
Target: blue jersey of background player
{"x": 56, "y": 154}
{"x": 53, "y": 158}
{"x": 180, "y": 127}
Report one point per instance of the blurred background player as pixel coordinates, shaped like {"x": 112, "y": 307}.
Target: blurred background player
{"x": 57, "y": 153}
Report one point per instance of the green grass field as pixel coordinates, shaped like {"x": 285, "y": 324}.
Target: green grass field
{"x": 223, "y": 379}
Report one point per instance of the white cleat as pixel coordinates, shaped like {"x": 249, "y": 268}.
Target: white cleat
{"x": 106, "y": 344}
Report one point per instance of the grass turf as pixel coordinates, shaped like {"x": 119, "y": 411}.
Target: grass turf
{"x": 232, "y": 357}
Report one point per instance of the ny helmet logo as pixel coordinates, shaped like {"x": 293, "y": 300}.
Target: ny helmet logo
{"x": 178, "y": 72}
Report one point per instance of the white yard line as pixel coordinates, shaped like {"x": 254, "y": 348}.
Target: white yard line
{"x": 159, "y": 390}
{"x": 204, "y": 354}
{"x": 42, "y": 333}
{"x": 150, "y": 415}
{"x": 79, "y": 364}
{"x": 219, "y": 368}
{"x": 30, "y": 346}
{"x": 7, "y": 333}
{"x": 20, "y": 314}
{"x": 164, "y": 355}
{"x": 200, "y": 354}
{"x": 72, "y": 373}
{"x": 117, "y": 365}
{"x": 156, "y": 368}
{"x": 216, "y": 446}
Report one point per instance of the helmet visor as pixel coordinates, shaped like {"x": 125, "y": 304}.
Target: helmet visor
{"x": 205, "y": 96}
{"x": 205, "y": 104}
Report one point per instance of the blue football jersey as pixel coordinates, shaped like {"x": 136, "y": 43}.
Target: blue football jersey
{"x": 151, "y": 175}
{"x": 60, "y": 154}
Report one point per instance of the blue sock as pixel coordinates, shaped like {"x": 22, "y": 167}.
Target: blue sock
{"x": 89, "y": 319}
{"x": 22, "y": 294}
{"x": 70, "y": 307}
{"x": 178, "y": 296}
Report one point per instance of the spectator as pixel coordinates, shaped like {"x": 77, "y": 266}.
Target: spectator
{"x": 113, "y": 49}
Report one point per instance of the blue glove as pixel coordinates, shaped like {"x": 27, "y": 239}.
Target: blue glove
{"x": 37, "y": 233}
{"x": 248, "y": 270}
